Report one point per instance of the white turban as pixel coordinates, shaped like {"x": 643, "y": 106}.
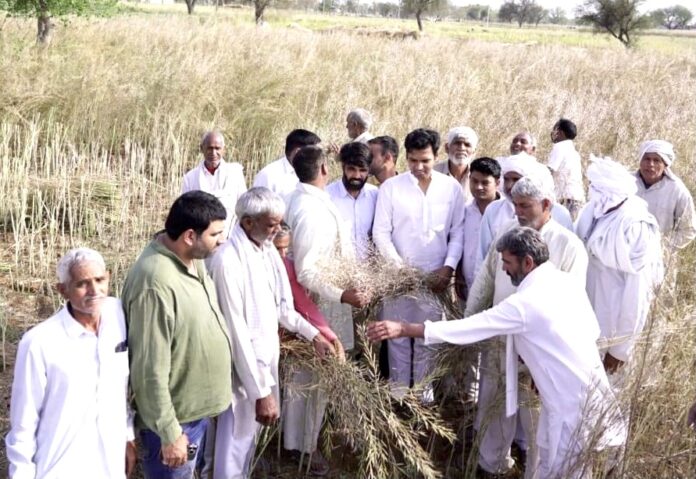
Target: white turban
{"x": 610, "y": 184}
{"x": 468, "y": 134}
{"x": 521, "y": 163}
{"x": 661, "y": 147}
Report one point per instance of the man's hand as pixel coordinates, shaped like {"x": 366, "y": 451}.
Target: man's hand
{"x": 332, "y": 148}
{"x": 175, "y": 454}
{"x": 355, "y": 298}
{"x": 611, "y": 364}
{"x": 267, "y": 410}
{"x": 440, "y": 279}
{"x": 381, "y": 330}
{"x": 131, "y": 457}
{"x": 322, "y": 346}
{"x": 691, "y": 417}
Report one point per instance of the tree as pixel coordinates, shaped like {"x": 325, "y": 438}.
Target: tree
{"x": 419, "y": 7}
{"x": 536, "y": 14}
{"x": 189, "y": 6}
{"x": 46, "y": 10}
{"x": 507, "y": 12}
{"x": 673, "y": 18}
{"x": 259, "y": 8}
{"x": 557, "y": 16}
{"x": 620, "y": 18}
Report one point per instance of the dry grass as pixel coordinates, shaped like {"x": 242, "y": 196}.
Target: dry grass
{"x": 96, "y": 132}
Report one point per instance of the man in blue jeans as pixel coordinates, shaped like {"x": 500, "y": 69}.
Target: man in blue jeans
{"x": 180, "y": 349}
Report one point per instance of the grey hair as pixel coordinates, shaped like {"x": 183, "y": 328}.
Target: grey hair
{"x": 522, "y": 241}
{"x": 209, "y": 133}
{"x": 529, "y": 187}
{"x": 259, "y": 201}
{"x": 360, "y": 116}
{"x": 74, "y": 257}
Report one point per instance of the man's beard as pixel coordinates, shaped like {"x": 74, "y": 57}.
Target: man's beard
{"x": 459, "y": 161}
{"x": 354, "y": 184}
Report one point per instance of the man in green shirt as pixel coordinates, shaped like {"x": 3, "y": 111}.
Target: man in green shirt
{"x": 180, "y": 347}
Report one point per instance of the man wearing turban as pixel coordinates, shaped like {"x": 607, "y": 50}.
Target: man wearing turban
{"x": 668, "y": 199}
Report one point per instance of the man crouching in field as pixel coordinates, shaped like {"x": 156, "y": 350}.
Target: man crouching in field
{"x": 578, "y": 409}
{"x": 69, "y": 413}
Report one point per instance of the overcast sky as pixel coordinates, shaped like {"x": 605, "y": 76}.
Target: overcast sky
{"x": 569, "y": 5}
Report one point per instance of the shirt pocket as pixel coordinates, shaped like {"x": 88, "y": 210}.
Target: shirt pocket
{"x": 439, "y": 217}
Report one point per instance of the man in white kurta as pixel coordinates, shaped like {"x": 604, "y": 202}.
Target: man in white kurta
{"x": 502, "y": 211}
{"x": 532, "y": 197}
{"x": 669, "y": 200}
{"x": 623, "y": 242}
{"x": 320, "y": 243}
{"x": 354, "y": 198}
{"x": 214, "y": 175}
{"x": 461, "y": 145}
{"x": 358, "y": 124}
{"x": 69, "y": 414}
{"x": 419, "y": 223}
{"x": 552, "y": 327}
{"x": 566, "y": 165}
{"x": 279, "y": 176}
{"x": 255, "y": 297}
{"x": 483, "y": 183}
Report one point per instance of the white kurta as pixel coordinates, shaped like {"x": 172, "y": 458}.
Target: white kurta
{"x": 357, "y": 213}
{"x": 320, "y": 242}
{"x": 364, "y": 137}
{"x": 501, "y": 212}
{"x": 255, "y": 297}
{"x": 566, "y": 166}
{"x": 278, "y": 176}
{"x": 69, "y": 415}
{"x": 424, "y": 230}
{"x": 470, "y": 248}
{"x": 554, "y": 330}
{"x": 227, "y": 184}
{"x": 624, "y": 270}
{"x": 443, "y": 167}
{"x": 498, "y": 363}
{"x": 672, "y": 205}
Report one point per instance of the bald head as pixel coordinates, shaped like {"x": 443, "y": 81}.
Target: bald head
{"x": 523, "y": 142}
{"x": 213, "y": 148}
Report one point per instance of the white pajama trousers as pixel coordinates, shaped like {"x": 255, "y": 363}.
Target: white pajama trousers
{"x": 496, "y": 430}
{"x": 233, "y": 454}
{"x": 302, "y": 412}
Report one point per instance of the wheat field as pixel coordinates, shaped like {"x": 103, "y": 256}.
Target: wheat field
{"x": 97, "y": 130}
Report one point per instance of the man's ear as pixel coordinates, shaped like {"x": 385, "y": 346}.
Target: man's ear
{"x": 527, "y": 264}
{"x": 62, "y": 289}
{"x": 546, "y": 204}
{"x": 189, "y": 237}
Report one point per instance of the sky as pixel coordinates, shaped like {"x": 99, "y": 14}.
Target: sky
{"x": 569, "y": 5}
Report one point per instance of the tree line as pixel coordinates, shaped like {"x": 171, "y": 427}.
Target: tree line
{"x": 621, "y": 19}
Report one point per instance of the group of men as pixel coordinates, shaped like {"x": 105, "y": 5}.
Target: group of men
{"x": 195, "y": 332}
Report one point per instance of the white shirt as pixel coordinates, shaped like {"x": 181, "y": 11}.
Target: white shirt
{"x": 226, "y": 183}
{"x": 364, "y": 137}
{"x": 624, "y": 270}
{"x": 671, "y": 204}
{"x": 501, "y": 212}
{"x": 443, "y": 167}
{"x": 566, "y": 167}
{"x": 554, "y": 330}
{"x": 357, "y": 213}
{"x": 470, "y": 249}
{"x": 254, "y": 294}
{"x": 279, "y": 177}
{"x": 69, "y": 414}
{"x": 423, "y": 230}
{"x": 320, "y": 243}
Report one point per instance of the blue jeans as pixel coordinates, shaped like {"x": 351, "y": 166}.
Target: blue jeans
{"x": 152, "y": 459}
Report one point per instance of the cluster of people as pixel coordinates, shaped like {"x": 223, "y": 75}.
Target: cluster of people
{"x": 187, "y": 358}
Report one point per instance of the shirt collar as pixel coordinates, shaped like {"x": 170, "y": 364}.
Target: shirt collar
{"x": 72, "y": 328}
{"x": 313, "y": 190}
{"x": 206, "y": 171}
{"x": 538, "y": 271}
{"x": 163, "y": 250}
{"x": 287, "y": 166}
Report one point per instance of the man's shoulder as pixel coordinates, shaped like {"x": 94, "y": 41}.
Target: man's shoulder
{"x": 232, "y": 168}
{"x": 442, "y": 166}
{"x": 370, "y": 190}
{"x": 558, "y": 233}
{"x": 334, "y": 188}
{"x": 46, "y": 332}
{"x": 272, "y": 167}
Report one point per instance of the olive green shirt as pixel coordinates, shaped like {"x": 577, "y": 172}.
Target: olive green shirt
{"x": 180, "y": 357}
